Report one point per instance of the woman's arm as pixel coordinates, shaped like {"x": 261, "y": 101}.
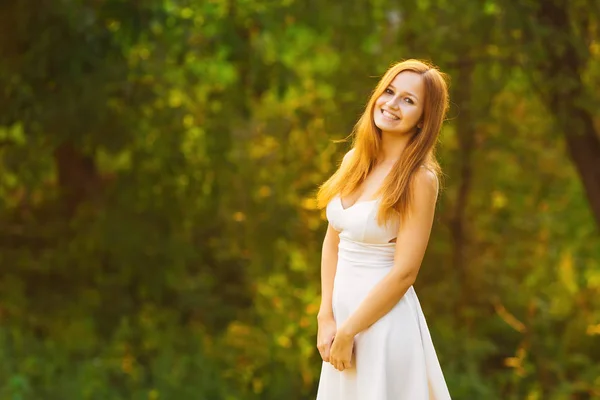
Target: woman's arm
{"x": 329, "y": 260}
{"x": 327, "y": 326}
{"x": 411, "y": 244}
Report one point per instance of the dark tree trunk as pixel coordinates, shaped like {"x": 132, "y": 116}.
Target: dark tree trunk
{"x": 562, "y": 90}
{"x": 77, "y": 176}
{"x": 466, "y": 140}
{"x": 584, "y": 149}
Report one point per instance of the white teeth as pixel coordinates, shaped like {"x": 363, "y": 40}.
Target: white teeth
{"x": 389, "y": 115}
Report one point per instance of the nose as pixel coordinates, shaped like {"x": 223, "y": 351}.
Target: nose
{"x": 392, "y": 103}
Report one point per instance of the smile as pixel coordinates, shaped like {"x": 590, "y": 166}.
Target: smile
{"x": 389, "y": 115}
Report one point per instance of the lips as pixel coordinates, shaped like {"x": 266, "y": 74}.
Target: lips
{"x": 388, "y": 115}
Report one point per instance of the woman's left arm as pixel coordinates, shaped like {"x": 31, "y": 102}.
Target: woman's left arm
{"x": 411, "y": 243}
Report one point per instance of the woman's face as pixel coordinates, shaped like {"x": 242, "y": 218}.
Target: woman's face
{"x": 399, "y": 109}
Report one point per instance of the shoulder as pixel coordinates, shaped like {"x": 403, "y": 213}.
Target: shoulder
{"x": 425, "y": 185}
{"x": 347, "y": 156}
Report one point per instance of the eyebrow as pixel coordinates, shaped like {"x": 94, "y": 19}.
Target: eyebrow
{"x": 408, "y": 93}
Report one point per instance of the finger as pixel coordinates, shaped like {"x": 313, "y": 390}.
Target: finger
{"x": 322, "y": 344}
{"x": 323, "y": 347}
{"x": 322, "y": 356}
{"x": 336, "y": 366}
{"x": 325, "y": 354}
{"x": 339, "y": 366}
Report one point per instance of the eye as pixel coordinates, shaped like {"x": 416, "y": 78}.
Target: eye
{"x": 409, "y": 100}
{"x": 389, "y": 91}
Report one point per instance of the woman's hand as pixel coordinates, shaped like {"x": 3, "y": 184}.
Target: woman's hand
{"x": 326, "y": 332}
{"x": 341, "y": 351}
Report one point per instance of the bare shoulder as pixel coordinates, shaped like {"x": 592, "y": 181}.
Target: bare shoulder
{"x": 426, "y": 185}
{"x": 347, "y": 156}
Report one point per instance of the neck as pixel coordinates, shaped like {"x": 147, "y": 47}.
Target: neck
{"x": 392, "y": 147}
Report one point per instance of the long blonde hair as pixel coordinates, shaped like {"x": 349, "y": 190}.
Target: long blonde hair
{"x": 396, "y": 190}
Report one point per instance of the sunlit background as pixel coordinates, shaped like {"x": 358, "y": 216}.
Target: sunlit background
{"x": 158, "y": 164}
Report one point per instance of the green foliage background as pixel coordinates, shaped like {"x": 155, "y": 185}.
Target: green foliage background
{"x": 158, "y": 164}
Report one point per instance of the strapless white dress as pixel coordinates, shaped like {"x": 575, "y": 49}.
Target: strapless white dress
{"x": 394, "y": 358}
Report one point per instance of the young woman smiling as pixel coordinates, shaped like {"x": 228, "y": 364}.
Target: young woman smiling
{"x": 380, "y": 204}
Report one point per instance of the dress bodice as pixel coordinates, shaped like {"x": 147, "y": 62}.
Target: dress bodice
{"x": 358, "y": 222}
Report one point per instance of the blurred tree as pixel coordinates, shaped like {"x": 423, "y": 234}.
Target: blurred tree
{"x": 557, "y": 41}
{"x": 158, "y": 232}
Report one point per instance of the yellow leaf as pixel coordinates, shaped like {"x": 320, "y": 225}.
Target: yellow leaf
{"x": 284, "y": 341}
{"x": 498, "y": 200}
{"x": 264, "y": 191}
{"x": 188, "y": 121}
{"x": 257, "y": 385}
{"x": 593, "y": 330}
{"x": 239, "y": 216}
{"x": 309, "y": 203}
{"x": 566, "y": 273}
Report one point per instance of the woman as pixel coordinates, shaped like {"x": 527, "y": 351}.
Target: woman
{"x": 380, "y": 204}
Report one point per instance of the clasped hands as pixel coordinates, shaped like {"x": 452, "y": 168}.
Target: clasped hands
{"x": 335, "y": 346}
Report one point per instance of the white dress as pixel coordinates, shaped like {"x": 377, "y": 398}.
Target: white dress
{"x": 394, "y": 358}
